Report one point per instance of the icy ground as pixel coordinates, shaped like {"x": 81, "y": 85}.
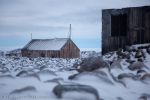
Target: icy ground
{"x": 35, "y": 78}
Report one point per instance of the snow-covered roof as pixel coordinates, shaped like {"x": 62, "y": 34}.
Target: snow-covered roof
{"x": 46, "y": 44}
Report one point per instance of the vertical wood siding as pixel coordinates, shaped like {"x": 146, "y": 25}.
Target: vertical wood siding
{"x": 138, "y": 28}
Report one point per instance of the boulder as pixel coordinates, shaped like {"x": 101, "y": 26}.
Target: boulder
{"x": 58, "y": 90}
{"x": 128, "y": 48}
{"x": 144, "y": 96}
{"x": 130, "y": 61}
{"x": 140, "y": 60}
{"x": 148, "y": 49}
{"x": 137, "y": 65}
{"x": 116, "y": 64}
{"x": 119, "y": 52}
{"x": 140, "y": 71}
{"x": 24, "y": 89}
{"x": 127, "y": 75}
{"x": 140, "y": 54}
{"x": 91, "y": 64}
{"x": 122, "y": 54}
{"x": 145, "y": 76}
{"x": 98, "y": 74}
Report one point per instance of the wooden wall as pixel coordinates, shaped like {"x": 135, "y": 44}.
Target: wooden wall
{"x": 70, "y": 50}
{"x": 138, "y": 28}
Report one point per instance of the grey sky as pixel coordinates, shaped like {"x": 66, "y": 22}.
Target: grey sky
{"x": 51, "y": 18}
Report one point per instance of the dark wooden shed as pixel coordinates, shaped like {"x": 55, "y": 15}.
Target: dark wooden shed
{"x": 55, "y": 48}
{"x": 126, "y": 26}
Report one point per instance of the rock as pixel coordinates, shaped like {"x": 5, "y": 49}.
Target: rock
{"x": 99, "y": 74}
{"x": 7, "y": 76}
{"x": 55, "y": 80}
{"x": 145, "y": 76}
{"x": 142, "y": 47}
{"x": 116, "y": 64}
{"x": 140, "y": 59}
{"x": 130, "y": 61}
{"x": 42, "y": 67}
{"x": 140, "y": 54}
{"x": 140, "y": 71}
{"x": 4, "y": 69}
{"x": 122, "y": 54}
{"x": 22, "y": 73}
{"x": 73, "y": 76}
{"x": 148, "y": 49}
{"x": 144, "y": 96}
{"x": 126, "y": 55}
{"x": 116, "y": 80}
{"x": 24, "y": 89}
{"x": 127, "y": 75}
{"x": 58, "y": 90}
{"x": 46, "y": 72}
{"x": 91, "y": 64}
{"x": 137, "y": 65}
{"x": 119, "y": 52}
{"x": 134, "y": 48}
{"x": 128, "y": 48}
{"x": 120, "y": 98}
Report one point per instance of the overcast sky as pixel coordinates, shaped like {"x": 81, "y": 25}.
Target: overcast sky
{"x": 51, "y": 18}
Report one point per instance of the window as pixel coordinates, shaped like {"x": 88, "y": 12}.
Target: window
{"x": 119, "y": 25}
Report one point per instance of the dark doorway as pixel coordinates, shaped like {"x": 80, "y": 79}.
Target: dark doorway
{"x": 119, "y": 25}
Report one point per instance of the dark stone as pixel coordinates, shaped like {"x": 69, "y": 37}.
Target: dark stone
{"x": 140, "y": 71}
{"x": 122, "y": 54}
{"x": 91, "y": 64}
{"x": 22, "y": 73}
{"x": 117, "y": 80}
{"x": 137, "y": 65}
{"x": 144, "y": 96}
{"x": 58, "y": 90}
{"x": 148, "y": 49}
{"x": 119, "y": 52}
{"x": 127, "y": 75}
{"x": 128, "y": 49}
{"x": 139, "y": 54}
{"x": 99, "y": 74}
{"x": 120, "y": 98}
{"x": 140, "y": 60}
{"x": 142, "y": 47}
{"x": 73, "y": 76}
{"x": 145, "y": 76}
{"x": 25, "y": 89}
{"x": 130, "y": 61}
{"x": 116, "y": 64}
{"x": 55, "y": 80}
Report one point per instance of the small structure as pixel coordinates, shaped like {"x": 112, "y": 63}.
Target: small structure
{"x": 55, "y": 48}
{"x": 15, "y": 52}
{"x": 126, "y": 26}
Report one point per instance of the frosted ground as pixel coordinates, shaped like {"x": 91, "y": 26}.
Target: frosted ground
{"x": 24, "y": 78}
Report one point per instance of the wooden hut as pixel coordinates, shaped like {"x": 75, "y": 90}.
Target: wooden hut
{"x": 126, "y": 26}
{"x": 55, "y": 48}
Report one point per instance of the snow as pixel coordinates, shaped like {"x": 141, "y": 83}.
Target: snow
{"x": 38, "y": 77}
{"x": 139, "y": 45}
{"x": 46, "y": 44}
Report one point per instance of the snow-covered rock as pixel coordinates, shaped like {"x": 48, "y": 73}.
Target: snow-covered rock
{"x": 24, "y": 78}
